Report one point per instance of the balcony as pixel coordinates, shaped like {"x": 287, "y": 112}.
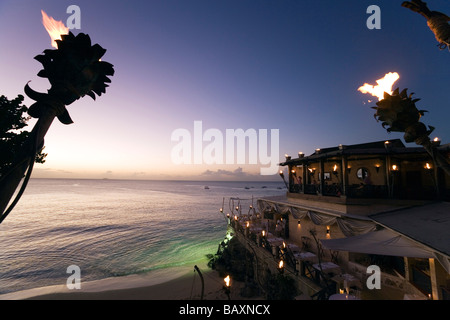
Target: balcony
{"x": 377, "y": 170}
{"x": 364, "y": 191}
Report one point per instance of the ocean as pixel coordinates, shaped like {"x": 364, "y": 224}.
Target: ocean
{"x": 115, "y": 228}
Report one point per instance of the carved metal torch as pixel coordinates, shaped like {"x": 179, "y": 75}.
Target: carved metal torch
{"x": 74, "y": 70}
{"x": 398, "y": 112}
{"x": 438, "y": 22}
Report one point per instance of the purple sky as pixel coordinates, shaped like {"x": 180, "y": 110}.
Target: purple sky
{"x": 294, "y": 66}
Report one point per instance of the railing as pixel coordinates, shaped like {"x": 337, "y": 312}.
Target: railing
{"x": 370, "y": 191}
{"x": 333, "y": 190}
{"x": 286, "y": 254}
{"x": 367, "y": 191}
{"x": 311, "y": 189}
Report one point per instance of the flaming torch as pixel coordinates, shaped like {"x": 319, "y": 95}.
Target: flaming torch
{"x": 398, "y": 112}
{"x": 54, "y": 28}
{"x": 74, "y": 70}
{"x": 383, "y": 85}
{"x": 227, "y": 286}
{"x": 438, "y": 22}
{"x": 281, "y": 266}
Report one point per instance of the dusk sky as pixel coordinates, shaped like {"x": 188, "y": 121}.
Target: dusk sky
{"x": 294, "y": 66}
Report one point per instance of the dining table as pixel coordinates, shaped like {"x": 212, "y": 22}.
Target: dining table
{"x": 342, "y": 296}
{"x": 328, "y": 267}
{"x": 275, "y": 241}
{"x": 346, "y": 280}
{"x": 305, "y": 256}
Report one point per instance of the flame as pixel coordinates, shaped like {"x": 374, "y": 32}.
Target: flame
{"x": 383, "y": 85}
{"x": 227, "y": 281}
{"x": 54, "y": 28}
{"x": 281, "y": 264}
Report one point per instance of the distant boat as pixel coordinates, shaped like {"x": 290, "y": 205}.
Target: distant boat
{"x": 264, "y": 187}
{"x": 247, "y": 187}
{"x": 206, "y": 187}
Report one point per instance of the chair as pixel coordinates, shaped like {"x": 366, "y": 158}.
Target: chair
{"x": 306, "y": 243}
{"x": 334, "y": 256}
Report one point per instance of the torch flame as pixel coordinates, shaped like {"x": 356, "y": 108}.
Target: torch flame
{"x": 227, "y": 281}
{"x": 383, "y": 85}
{"x": 54, "y": 28}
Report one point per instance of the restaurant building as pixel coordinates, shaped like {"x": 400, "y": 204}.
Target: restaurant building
{"x": 366, "y": 221}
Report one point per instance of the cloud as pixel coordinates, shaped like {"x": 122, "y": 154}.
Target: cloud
{"x": 239, "y": 172}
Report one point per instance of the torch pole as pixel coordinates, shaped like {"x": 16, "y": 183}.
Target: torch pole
{"x": 203, "y": 281}
{"x": 25, "y": 160}
{"x": 438, "y": 160}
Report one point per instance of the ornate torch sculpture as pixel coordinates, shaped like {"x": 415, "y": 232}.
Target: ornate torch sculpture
{"x": 74, "y": 70}
{"x": 438, "y": 22}
{"x": 399, "y": 112}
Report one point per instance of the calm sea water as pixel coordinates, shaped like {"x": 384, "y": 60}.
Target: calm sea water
{"x": 113, "y": 228}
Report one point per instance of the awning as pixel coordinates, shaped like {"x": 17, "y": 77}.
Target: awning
{"x": 383, "y": 242}
{"x": 350, "y": 226}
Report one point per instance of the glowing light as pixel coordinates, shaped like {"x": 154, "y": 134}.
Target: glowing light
{"x": 281, "y": 264}
{"x": 227, "y": 280}
{"x": 383, "y": 85}
{"x": 54, "y": 28}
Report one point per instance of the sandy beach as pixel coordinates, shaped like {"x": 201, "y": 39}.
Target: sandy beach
{"x": 185, "y": 285}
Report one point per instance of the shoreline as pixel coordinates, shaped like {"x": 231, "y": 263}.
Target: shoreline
{"x": 179, "y": 284}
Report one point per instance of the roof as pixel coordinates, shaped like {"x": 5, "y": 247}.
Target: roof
{"x": 382, "y": 242}
{"x": 428, "y": 224}
{"x": 394, "y": 147}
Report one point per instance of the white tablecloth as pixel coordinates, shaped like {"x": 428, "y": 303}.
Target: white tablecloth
{"x": 305, "y": 256}
{"x": 275, "y": 241}
{"x": 342, "y": 296}
{"x": 327, "y": 267}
